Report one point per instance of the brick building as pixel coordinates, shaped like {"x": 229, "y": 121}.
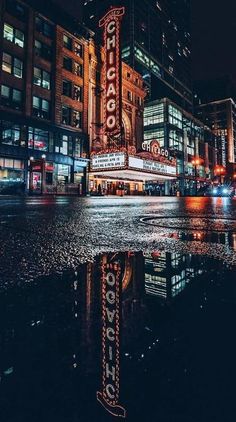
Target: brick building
{"x": 133, "y": 94}
{"x": 44, "y": 99}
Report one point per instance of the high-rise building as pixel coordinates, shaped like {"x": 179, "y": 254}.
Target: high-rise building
{"x": 156, "y": 42}
{"x": 215, "y": 106}
{"x": 186, "y": 138}
{"x": 43, "y": 99}
{"x": 220, "y": 115}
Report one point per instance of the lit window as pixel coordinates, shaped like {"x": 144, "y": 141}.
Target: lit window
{"x": 41, "y": 108}
{"x": 62, "y": 148}
{"x": 41, "y": 78}
{"x": 78, "y": 69}
{"x": 154, "y": 114}
{"x": 77, "y": 93}
{"x": 38, "y": 139}
{"x": 6, "y": 63}
{"x": 11, "y": 134}
{"x": 5, "y": 91}
{"x": 13, "y": 35}
{"x": 76, "y": 119}
{"x": 12, "y": 65}
{"x": 78, "y": 49}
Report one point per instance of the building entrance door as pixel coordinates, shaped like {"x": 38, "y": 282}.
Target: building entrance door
{"x": 36, "y": 182}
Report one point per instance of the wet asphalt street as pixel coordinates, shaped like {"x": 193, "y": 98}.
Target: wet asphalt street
{"x": 40, "y": 235}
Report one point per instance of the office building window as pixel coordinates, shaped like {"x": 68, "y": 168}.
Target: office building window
{"x": 12, "y": 65}
{"x": 13, "y": 35}
{"x": 67, "y": 63}
{"x": 16, "y": 9}
{"x": 78, "y": 149}
{"x": 78, "y": 49}
{"x": 78, "y": 69}
{"x": 38, "y": 139}
{"x": 154, "y": 114}
{"x": 66, "y": 88}
{"x": 66, "y": 115}
{"x": 11, "y": 134}
{"x": 41, "y": 108}
{"x": 155, "y": 134}
{"x": 43, "y": 26}
{"x": 76, "y": 119}
{"x": 62, "y": 148}
{"x": 175, "y": 116}
{"x": 67, "y": 42}
{"x": 77, "y": 93}
{"x": 11, "y": 97}
{"x": 41, "y": 78}
{"x": 43, "y": 50}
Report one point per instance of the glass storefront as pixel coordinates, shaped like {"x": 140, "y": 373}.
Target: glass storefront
{"x": 11, "y": 175}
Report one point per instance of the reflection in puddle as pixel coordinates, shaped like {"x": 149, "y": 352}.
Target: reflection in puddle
{"x": 147, "y": 335}
{"x": 225, "y": 238}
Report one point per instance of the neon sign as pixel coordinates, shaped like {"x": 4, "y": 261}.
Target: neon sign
{"x": 111, "y": 293}
{"x": 112, "y": 70}
{"x": 153, "y": 146}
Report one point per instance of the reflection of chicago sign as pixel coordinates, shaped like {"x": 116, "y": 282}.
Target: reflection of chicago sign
{"x": 112, "y": 70}
{"x": 111, "y": 291}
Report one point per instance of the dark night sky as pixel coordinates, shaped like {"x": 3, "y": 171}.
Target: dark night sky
{"x": 213, "y": 36}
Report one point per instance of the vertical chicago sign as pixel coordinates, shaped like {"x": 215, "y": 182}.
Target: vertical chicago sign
{"x": 112, "y": 71}
{"x": 111, "y": 305}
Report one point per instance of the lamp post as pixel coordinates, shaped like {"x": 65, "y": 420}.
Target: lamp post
{"x": 195, "y": 163}
{"x": 43, "y": 182}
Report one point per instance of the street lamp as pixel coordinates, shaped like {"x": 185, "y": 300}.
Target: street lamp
{"x": 195, "y": 163}
{"x": 220, "y": 171}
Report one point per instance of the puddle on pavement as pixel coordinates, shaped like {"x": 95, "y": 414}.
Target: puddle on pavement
{"x": 146, "y": 336}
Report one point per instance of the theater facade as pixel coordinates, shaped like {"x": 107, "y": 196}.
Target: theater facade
{"x": 121, "y": 162}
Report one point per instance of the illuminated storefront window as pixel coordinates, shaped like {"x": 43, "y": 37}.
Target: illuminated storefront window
{"x": 11, "y": 134}
{"x": 11, "y": 171}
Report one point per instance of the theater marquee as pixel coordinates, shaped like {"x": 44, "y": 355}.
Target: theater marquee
{"x": 108, "y": 161}
{"x": 112, "y": 71}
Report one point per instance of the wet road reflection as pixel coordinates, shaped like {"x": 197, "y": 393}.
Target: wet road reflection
{"x": 147, "y": 335}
